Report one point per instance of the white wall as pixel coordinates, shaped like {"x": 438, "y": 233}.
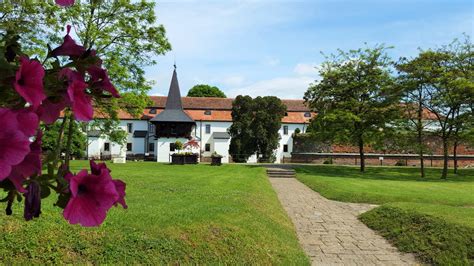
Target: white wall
{"x": 221, "y": 146}
{"x": 286, "y": 139}
{"x": 206, "y": 137}
{"x": 162, "y": 148}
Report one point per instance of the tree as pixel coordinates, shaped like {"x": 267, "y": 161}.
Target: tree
{"x": 123, "y": 33}
{"x": 51, "y": 135}
{"x": 202, "y": 90}
{"x": 265, "y": 126}
{"x": 355, "y": 99}
{"x": 242, "y": 144}
{"x": 254, "y": 128}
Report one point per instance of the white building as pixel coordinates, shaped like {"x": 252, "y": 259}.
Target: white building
{"x": 208, "y": 120}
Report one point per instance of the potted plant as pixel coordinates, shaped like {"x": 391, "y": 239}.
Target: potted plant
{"x": 216, "y": 159}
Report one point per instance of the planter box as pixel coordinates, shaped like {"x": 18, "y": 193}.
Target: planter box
{"x": 184, "y": 159}
{"x": 216, "y": 160}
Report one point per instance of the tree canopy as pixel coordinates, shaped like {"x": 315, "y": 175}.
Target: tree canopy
{"x": 254, "y": 129}
{"x": 202, "y": 90}
{"x": 354, "y": 98}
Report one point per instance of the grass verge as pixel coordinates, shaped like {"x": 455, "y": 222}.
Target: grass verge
{"x": 432, "y": 239}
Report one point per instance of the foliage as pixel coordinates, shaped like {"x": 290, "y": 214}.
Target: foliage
{"x": 354, "y": 98}
{"x": 68, "y": 82}
{"x": 51, "y": 135}
{"x": 441, "y": 81}
{"x": 432, "y": 239}
{"x": 193, "y": 214}
{"x": 123, "y": 33}
{"x": 251, "y": 118}
{"x": 216, "y": 155}
{"x": 178, "y": 145}
{"x": 202, "y": 90}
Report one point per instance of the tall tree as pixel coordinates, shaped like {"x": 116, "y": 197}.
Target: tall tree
{"x": 255, "y": 129}
{"x": 123, "y": 33}
{"x": 355, "y": 98}
{"x": 242, "y": 143}
{"x": 414, "y": 90}
{"x": 265, "y": 126}
{"x": 202, "y": 90}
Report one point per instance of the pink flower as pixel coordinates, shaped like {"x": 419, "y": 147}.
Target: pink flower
{"x": 65, "y": 3}
{"x": 15, "y": 130}
{"x": 29, "y": 81}
{"x": 77, "y": 96}
{"x": 81, "y": 102}
{"x": 100, "y": 79}
{"x": 69, "y": 47}
{"x": 50, "y": 111}
{"x": 30, "y": 165}
{"x": 91, "y": 197}
{"x": 120, "y": 186}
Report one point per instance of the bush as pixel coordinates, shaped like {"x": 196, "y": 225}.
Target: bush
{"x": 328, "y": 161}
{"x": 432, "y": 239}
{"x": 401, "y": 162}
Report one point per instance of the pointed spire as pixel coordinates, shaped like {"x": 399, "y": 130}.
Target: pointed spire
{"x": 174, "y": 95}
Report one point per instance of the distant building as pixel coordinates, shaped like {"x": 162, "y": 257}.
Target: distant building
{"x": 207, "y": 120}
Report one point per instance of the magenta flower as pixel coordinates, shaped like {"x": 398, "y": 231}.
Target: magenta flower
{"x": 30, "y": 165}
{"x": 100, "y": 79}
{"x": 91, "y": 197}
{"x": 15, "y": 131}
{"x": 65, "y": 3}
{"x": 29, "y": 81}
{"x": 120, "y": 186}
{"x": 50, "y": 111}
{"x": 81, "y": 102}
{"x": 69, "y": 47}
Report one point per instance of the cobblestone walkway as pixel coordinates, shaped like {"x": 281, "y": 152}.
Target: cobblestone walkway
{"x": 330, "y": 232}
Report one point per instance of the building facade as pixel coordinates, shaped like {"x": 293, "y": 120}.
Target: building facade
{"x": 206, "y": 120}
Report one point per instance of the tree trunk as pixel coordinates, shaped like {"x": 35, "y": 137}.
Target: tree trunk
{"x": 362, "y": 156}
{"x": 420, "y": 138}
{"x": 455, "y": 157}
{"x": 444, "y": 175}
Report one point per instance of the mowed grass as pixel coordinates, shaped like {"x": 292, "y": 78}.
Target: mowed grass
{"x": 380, "y": 185}
{"x": 430, "y": 217}
{"x": 177, "y": 215}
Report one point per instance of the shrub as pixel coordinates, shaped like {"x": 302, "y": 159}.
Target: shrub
{"x": 432, "y": 239}
{"x": 327, "y": 161}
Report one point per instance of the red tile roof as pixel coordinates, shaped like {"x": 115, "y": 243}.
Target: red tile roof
{"x": 213, "y": 103}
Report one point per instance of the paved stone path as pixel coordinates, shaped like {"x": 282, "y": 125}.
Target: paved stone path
{"x": 330, "y": 232}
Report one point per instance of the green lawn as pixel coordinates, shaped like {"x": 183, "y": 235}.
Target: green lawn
{"x": 428, "y": 216}
{"x": 177, "y": 214}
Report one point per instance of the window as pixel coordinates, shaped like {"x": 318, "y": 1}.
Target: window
{"x": 208, "y": 147}
{"x": 129, "y": 146}
{"x": 286, "y": 113}
{"x": 172, "y": 147}
{"x": 151, "y": 146}
{"x": 153, "y": 111}
{"x": 285, "y": 130}
{"x": 106, "y": 146}
{"x": 307, "y": 114}
{"x": 285, "y": 148}
{"x": 208, "y": 129}
{"x": 207, "y": 112}
{"x": 129, "y": 127}
{"x": 151, "y": 128}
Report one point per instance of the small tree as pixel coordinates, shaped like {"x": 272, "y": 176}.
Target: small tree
{"x": 202, "y": 90}
{"x": 355, "y": 98}
{"x": 178, "y": 145}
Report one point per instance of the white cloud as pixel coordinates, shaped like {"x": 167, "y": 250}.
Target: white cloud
{"x": 303, "y": 69}
{"x": 282, "y": 87}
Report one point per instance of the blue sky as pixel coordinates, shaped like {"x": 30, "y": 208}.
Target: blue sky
{"x": 271, "y": 47}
